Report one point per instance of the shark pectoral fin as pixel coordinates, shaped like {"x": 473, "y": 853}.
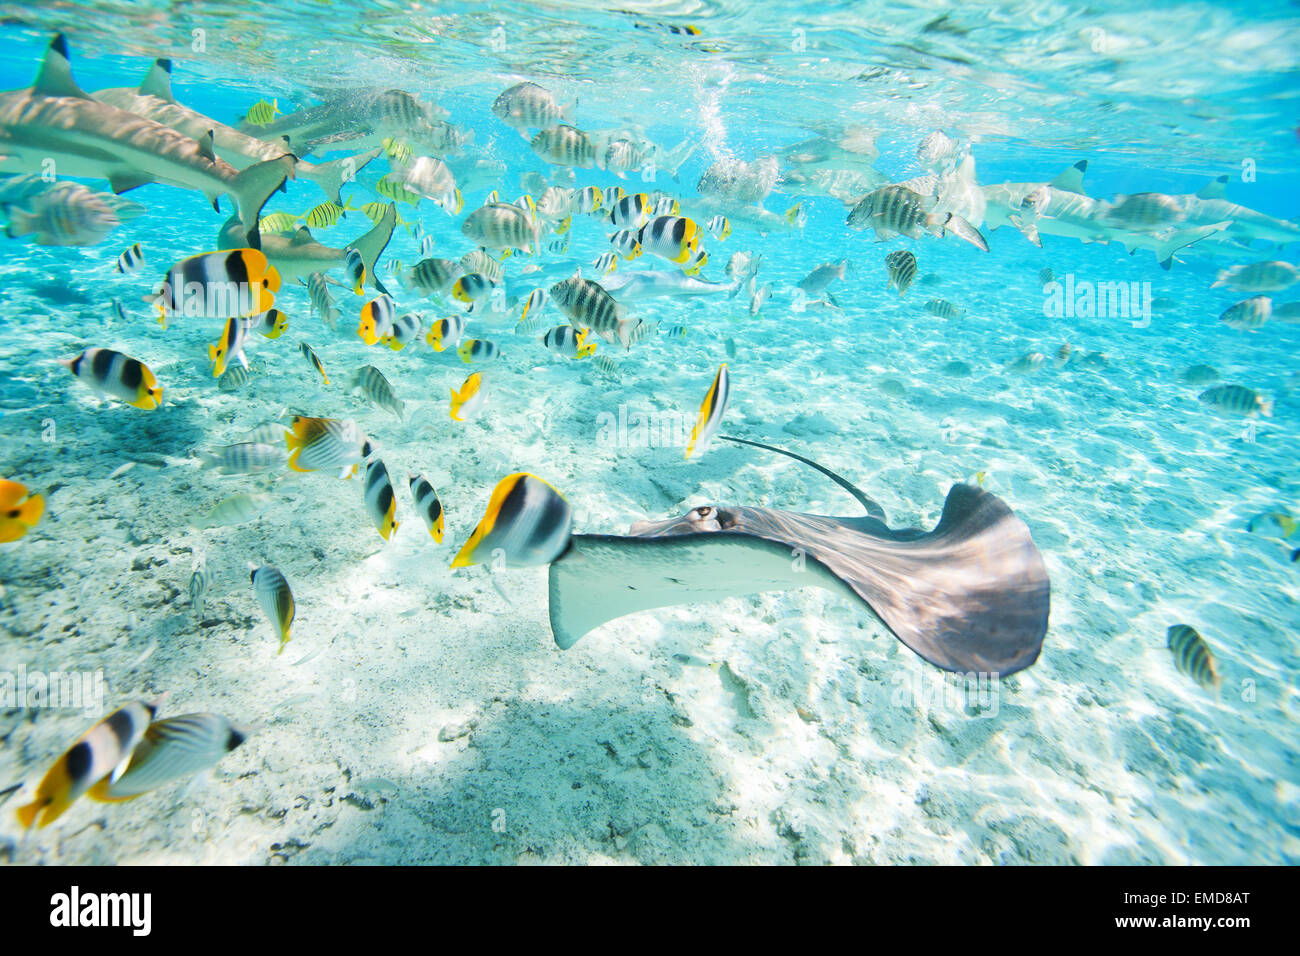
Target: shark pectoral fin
{"x": 120, "y": 182}
{"x": 603, "y": 577}
{"x": 960, "y": 227}
{"x": 207, "y": 148}
{"x": 158, "y": 81}
{"x": 1029, "y": 230}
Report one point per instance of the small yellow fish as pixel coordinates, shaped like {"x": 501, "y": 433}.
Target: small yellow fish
{"x": 18, "y": 516}
{"x": 261, "y": 113}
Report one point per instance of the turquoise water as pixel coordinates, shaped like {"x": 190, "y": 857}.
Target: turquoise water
{"x": 424, "y": 715}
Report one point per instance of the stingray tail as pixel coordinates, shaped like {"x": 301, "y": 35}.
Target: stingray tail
{"x": 873, "y": 509}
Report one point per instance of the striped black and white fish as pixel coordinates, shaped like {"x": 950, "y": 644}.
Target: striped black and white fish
{"x": 898, "y": 210}
{"x": 276, "y": 600}
{"x": 243, "y": 458}
{"x": 943, "y": 309}
{"x": 233, "y": 379}
{"x": 586, "y": 303}
{"x": 501, "y": 226}
{"x": 171, "y": 750}
{"x": 427, "y": 504}
{"x": 200, "y": 584}
{"x": 381, "y": 503}
{"x": 527, "y": 523}
{"x": 1248, "y": 314}
{"x": 130, "y": 260}
{"x": 378, "y": 391}
{"x": 1238, "y": 399}
{"x": 432, "y": 275}
{"x": 565, "y": 145}
{"x": 1192, "y": 656}
{"x": 901, "y": 266}
{"x": 112, "y": 373}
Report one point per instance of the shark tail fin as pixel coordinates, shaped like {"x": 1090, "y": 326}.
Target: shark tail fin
{"x": 1071, "y": 180}
{"x": 158, "y": 81}
{"x": 331, "y": 176}
{"x": 371, "y": 245}
{"x": 253, "y": 187}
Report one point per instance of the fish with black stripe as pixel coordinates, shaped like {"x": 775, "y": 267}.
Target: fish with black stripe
{"x": 478, "y": 351}
{"x": 230, "y": 347}
{"x": 711, "y": 411}
{"x": 898, "y": 210}
{"x": 674, "y": 238}
{"x": 326, "y": 444}
{"x": 371, "y": 382}
{"x": 568, "y": 341}
{"x": 527, "y": 523}
{"x": 565, "y": 145}
{"x": 117, "y": 375}
{"x": 901, "y": 266}
{"x": 172, "y": 749}
{"x": 101, "y": 752}
{"x": 376, "y": 319}
{"x": 276, "y": 598}
{"x": 217, "y": 285}
{"x": 446, "y": 333}
{"x": 587, "y": 304}
{"x": 314, "y": 359}
{"x": 427, "y": 504}
{"x": 381, "y": 503}
{"x": 130, "y": 260}
{"x": 1192, "y": 656}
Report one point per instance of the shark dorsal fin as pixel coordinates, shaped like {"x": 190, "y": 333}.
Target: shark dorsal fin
{"x": 206, "y": 147}
{"x": 158, "y": 81}
{"x": 1214, "y": 189}
{"x": 966, "y": 170}
{"x": 302, "y": 236}
{"x": 55, "y": 75}
{"x": 1071, "y": 180}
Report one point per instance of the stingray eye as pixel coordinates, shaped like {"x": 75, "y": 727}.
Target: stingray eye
{"x": 705, "y": 513}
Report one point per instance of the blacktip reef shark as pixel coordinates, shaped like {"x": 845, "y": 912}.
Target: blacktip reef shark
{"x": 364, "y": 119}
{"x": 55, "y": 119}
{"x": 154, "y": 101}
{"x": 632, "y": 286}
{"x": 1062, "y": 208}
{"x": 298, "y": 255}
{"x": 971, "y": 595}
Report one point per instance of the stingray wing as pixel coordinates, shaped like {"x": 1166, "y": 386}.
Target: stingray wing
{"x": 603, "y": 577}
{"x": 971, "y": 595}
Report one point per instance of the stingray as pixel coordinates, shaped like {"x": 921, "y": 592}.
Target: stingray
{"x": 971, "y": 595}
